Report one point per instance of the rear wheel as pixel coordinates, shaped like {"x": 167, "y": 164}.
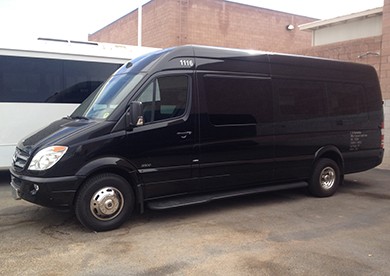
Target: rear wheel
{"x": 326, "y": 178}
{"x": 104, "y": 202}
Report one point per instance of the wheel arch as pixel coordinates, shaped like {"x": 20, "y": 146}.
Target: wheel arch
{"x": 331, "y": 152}
{"x": 115, "y": 165}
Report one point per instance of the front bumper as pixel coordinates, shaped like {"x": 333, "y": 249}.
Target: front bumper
{"x": 56, "y": 192}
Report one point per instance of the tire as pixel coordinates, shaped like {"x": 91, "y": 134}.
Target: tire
{"x": 104, "y": 202}
{"x": 325, "y": 179}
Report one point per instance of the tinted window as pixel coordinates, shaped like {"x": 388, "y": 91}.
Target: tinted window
{"x": 48, "y": 80}
{"x": 237, "y": 100}
{"x": 345, "y": 99}
{"x": 373, "y": 96}
{"x": 300, "y": 99}
{"x": 74, "y": 94}
{"x": 164, "y": 98}
{"x": 29, "y": 79}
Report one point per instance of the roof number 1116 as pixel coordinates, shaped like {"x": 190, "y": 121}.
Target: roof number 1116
{"x": 187, "y": 62}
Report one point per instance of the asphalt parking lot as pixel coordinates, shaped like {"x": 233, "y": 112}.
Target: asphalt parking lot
{"x": 283, "y": 233}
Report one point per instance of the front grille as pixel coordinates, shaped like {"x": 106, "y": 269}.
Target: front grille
{"x": 20, "y": 159}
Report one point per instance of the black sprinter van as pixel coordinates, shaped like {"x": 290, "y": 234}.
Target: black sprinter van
{"x": 192, "y": 124}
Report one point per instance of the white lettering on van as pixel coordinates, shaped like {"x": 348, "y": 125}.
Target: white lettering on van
{"x": 186, "y": 62}
{"x": 356, "y": 140}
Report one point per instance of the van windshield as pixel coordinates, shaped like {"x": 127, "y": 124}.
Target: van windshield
{"x": 101, "y": 103}
{"x": 104, "y": 100}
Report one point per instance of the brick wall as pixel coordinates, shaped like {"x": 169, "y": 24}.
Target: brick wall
{"x": 385, "y": 51}
{"x": 365, "y": 51}
{"x": 385, "y": 78}
{"x": 120, "y": 31}
{"x": 169, "y": 23}
{"x": 159, "y": 26}
{"x": 221, "y": 23}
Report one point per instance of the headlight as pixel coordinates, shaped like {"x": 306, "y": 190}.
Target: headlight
{"x": 46, "y": 158}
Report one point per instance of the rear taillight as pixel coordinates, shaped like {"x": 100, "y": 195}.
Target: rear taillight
{"x": 382, "y": 135}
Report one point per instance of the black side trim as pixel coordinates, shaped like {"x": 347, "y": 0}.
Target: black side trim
{"x": 178, "y": 201}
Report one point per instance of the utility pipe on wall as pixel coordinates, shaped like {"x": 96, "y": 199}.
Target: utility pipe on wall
{"x": 139, "y": 23}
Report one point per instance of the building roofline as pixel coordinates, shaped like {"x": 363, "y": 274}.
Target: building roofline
{"x": 340, "y": 20}
{"x": 267, "y": 9}
{"x": 228, "y": 1}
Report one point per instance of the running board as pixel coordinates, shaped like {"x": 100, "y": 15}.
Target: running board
{"x": 178, "y": 201}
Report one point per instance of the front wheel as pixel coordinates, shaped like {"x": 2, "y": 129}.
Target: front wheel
{"x": 326, "y": 178}
{"x": 104, "y": 202}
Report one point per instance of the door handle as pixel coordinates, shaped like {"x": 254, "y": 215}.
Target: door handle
{"x": 184, "y": 134}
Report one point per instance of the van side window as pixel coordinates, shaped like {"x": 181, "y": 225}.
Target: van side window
{"x": 238, "y": 100}
{"x": 345, "y": 99}
{"x": 299, "y": 99}
{"x": 164, "y": 98}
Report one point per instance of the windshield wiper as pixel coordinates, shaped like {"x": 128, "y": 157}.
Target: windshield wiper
{"x": 76, "y": 118}
{"x": 79, "y": 117}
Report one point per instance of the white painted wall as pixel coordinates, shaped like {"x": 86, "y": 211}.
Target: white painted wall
{"x": 355, "y": 29}
{"x": 386, "y": 160}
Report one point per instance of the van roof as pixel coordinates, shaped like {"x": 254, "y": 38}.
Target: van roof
{"x": 280, "y": 64}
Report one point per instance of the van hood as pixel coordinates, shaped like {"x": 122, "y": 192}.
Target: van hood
{"x": 58, "y": 132}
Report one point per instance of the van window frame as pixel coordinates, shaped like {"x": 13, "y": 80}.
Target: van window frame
{"x": 364, "y": 102}
{"x": 152, "y": 79}
{"x": 277, "y": 83}
{"x": 327, "y": 112}
{"x": 235, "y": 75}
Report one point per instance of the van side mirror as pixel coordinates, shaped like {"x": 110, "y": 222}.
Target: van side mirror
{"x": 135, "y": 114}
